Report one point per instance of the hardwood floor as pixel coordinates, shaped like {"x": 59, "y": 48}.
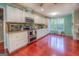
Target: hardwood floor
{"x": 51, "y": 45}
{"x": 1, "y": 47}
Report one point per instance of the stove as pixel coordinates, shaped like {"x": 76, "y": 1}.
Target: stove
{"x": 32, "y": 35}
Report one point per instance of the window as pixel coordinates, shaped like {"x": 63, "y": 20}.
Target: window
{"x": 57, "y": 25}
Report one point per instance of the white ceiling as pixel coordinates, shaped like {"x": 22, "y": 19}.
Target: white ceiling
{"x": 61, "y": 8}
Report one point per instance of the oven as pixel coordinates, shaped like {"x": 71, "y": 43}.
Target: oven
{"x": 32, "y": 35}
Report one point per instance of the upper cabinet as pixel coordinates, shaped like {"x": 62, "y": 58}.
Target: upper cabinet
{"x": 17, "y": 15}
{"x": 14, "y": 14}
{"x": 28, "y": 14}
{"x": 39, "y": 19}
{"x": 44, "y": 20}
{"x": 36, "y": 19}
{"x": 9, "y": 12}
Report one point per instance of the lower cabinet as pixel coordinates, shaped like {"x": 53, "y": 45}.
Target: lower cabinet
{"x": 20, "y": 39}
{"x": 17, "y": 40}
{"x": 41, "y": 33}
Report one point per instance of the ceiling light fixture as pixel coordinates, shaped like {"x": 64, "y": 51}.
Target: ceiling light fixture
{"x": 54, "y": 13}
{"x": 42, "y": 9}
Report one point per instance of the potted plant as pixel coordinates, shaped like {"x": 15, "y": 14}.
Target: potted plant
{"x": 62, "y": 32}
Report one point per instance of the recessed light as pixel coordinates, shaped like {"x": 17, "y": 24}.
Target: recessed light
{"x": 54, "y": 13}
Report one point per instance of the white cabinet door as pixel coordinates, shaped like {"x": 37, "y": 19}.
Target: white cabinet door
{"x": 17, "y": 41}
{"x": 10, "y": 13}
{"x": 14, "y": 14}
{"x": 42, "y": 32}
{"x": 45, "y": 21}
{"x": 28, "y": 14}
{"x": 24, "y": 15}
{"x": 36, "y": 20}
{"x": 39, "y": 20}
{"x": 20, "y": 15}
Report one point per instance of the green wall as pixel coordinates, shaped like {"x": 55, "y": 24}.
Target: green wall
{"x": 67, "y": 24}
{"x": 3, "y": 4}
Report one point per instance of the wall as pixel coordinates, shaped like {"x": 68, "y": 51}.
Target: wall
{"x": 68, "y": 25}
{"x": 3, "y": 5}
{"x": 76, "y": 24}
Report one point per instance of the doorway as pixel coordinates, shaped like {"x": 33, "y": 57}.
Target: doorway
{"x": 2, "y": 50}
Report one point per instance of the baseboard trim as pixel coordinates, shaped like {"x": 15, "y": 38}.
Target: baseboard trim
{"x": 6, "y": 51}
{"x": 61, "y": 35}
{"x": 12, "y": 53}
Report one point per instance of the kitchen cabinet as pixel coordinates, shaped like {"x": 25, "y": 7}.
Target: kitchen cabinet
{"x": 19, "y": 15}
{"x": 36, "y": 19}
{"x": 40, "y": 20}
{"x": 28, "y": 14}
{"x": 10, "y": 11}
{"x": 44, "y": 21}
{"x": 17, "y": 40}
{"x": 14, "y": 14}
{"x": 42, "y": 32}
